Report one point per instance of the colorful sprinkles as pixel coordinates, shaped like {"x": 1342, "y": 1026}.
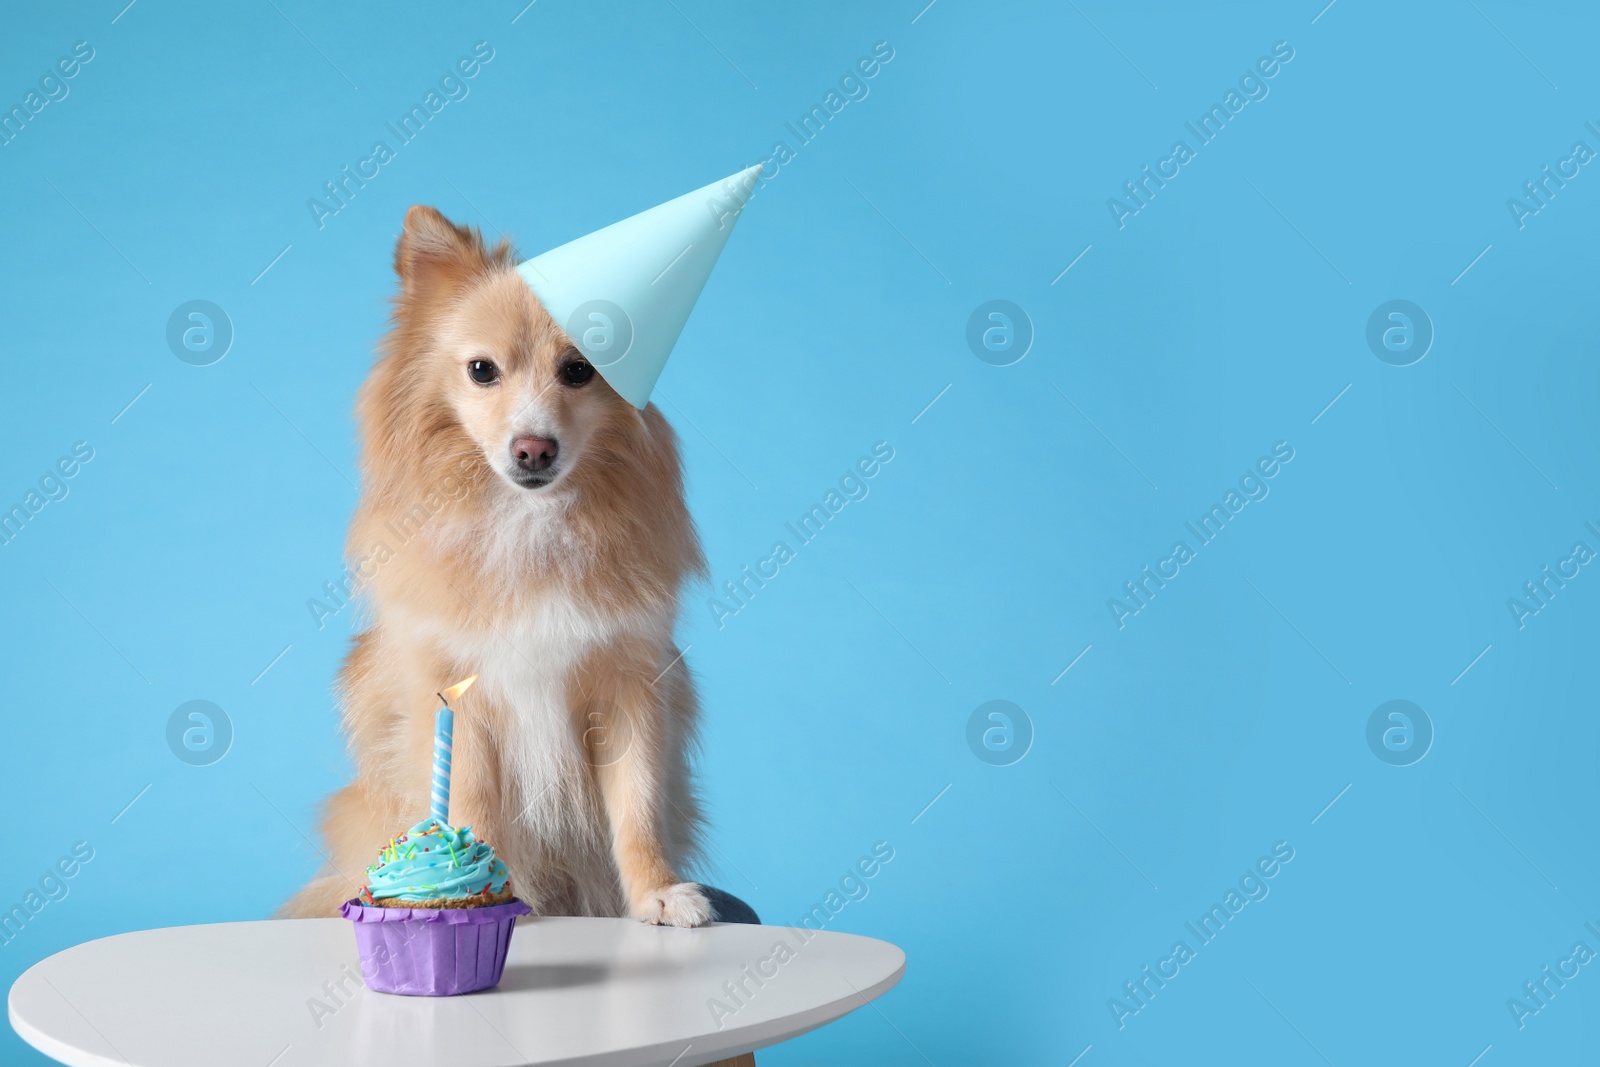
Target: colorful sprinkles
{"x": 422, "y": 851}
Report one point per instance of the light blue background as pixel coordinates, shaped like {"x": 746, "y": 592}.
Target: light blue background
{"x": 1223, "y": 318}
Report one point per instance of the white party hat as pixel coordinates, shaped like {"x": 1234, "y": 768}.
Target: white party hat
{"x": 623, "y": 293}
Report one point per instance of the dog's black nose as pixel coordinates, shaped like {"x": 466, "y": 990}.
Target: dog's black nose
{"x": 534, "y": 453}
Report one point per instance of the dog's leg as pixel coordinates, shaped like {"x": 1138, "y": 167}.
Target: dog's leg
{"x": 475, "y": 773}
{"x": 319, "y": 899}
{"x": 632, "y": 761}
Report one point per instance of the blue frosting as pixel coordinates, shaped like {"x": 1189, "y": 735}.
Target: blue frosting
{"x": 432, "y": 861}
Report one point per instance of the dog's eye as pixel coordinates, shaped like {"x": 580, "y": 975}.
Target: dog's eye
{"x": 483, "y": 372}
{"x": 577, "y": 372}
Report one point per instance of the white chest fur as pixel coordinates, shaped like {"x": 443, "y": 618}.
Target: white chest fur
{"x": 525, "y": 666}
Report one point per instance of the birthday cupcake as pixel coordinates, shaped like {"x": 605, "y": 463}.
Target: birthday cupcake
{"x": 436, "y": 915}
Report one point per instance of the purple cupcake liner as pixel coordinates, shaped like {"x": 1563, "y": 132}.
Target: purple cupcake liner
{"x": 433, "y": 952}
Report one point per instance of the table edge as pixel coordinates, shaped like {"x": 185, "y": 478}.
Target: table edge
{"x": 73, "y": 1056}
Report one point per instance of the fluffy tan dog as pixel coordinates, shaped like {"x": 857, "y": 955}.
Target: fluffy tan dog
{"x": 521, "y": 521}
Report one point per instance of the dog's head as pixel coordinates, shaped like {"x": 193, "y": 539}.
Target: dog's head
{"x": 483, "y": 423}
{"x": 483, "y": 359}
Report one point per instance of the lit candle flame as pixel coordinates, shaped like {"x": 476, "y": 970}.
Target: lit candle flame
{"x": 456, "y": 690}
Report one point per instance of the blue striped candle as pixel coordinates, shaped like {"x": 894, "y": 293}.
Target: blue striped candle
{"x": 443, "y": 725}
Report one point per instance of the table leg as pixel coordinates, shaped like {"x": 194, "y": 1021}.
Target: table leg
{"x": 747, "y": 1059}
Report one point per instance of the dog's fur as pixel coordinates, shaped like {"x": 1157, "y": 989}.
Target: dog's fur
{"x": 571, "y": 753}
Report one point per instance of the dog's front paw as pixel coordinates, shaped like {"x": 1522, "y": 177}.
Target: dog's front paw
{"x": 683, "y": 904}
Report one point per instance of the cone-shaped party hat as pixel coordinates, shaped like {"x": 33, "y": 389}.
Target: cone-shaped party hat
{"x": 623, "y": 293}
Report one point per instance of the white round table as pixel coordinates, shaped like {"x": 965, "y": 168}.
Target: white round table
{"x": 288, "y": 993}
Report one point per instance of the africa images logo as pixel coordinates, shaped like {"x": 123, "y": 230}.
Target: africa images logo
{"x": 1207, "y": 128}
{"x": 1252, "y": 486}
{"x": 1252, "y": 887}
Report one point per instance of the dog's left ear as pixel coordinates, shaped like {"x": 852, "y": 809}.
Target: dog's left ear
{"x": 436, "y": 255}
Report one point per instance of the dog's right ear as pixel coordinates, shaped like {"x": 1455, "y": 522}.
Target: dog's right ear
{"x": 434, "y": 254}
